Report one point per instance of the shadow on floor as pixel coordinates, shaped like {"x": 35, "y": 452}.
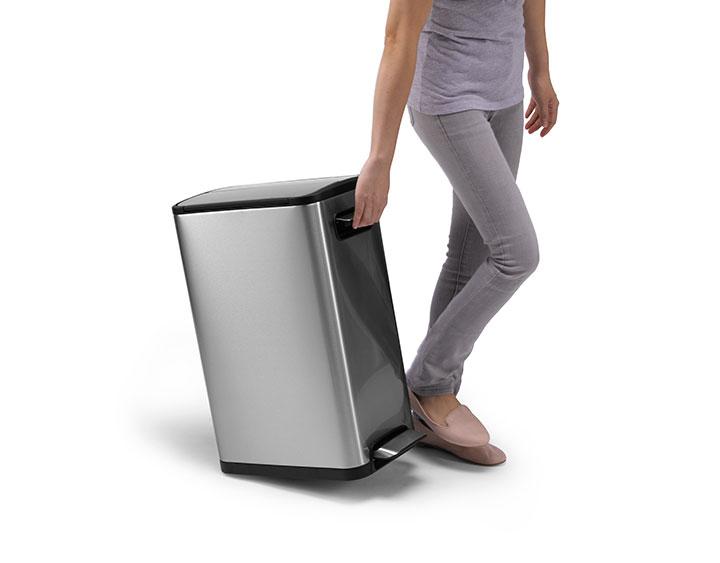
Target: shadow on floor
{"x": 441, "y": 458}
{"x": 191, "y": 437}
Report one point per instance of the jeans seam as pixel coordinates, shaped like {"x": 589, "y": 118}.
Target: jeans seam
{"x": 460, "y": 260}
{"x": 467, "y": 175}
{"x": 503, "y": 249}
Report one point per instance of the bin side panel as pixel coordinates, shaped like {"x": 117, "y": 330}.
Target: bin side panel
{"x": 368, "y": 326}
{"x": 259, "y": 297}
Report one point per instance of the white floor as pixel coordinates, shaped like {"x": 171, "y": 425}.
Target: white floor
{"x": 119, "y": 465}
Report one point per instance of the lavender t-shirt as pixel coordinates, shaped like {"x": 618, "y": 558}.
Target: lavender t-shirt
{"x": 470, "y": 56}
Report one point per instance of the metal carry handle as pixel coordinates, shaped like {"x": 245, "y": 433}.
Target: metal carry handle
{"x": 343, "y": 224}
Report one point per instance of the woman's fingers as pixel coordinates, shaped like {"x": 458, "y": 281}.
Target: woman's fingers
{"x": 533, "y": 120}
{"x": 367, "y": 212}
{"x": 363, "y": 212}
{"x": 544, "y": 116}
{"x": 378, "y": 212}
{"x": 552, "y": 117}
{"x": 359, "y": 210}
{"x": 531, "y": 107}
{"x": 535, "y": 127}
{"x": 371, "y": 193}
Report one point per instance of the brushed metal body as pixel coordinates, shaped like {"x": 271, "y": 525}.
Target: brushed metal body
{"x": 297, "y": 334}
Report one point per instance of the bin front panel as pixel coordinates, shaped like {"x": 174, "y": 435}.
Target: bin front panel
{"x": 266, "y": 321}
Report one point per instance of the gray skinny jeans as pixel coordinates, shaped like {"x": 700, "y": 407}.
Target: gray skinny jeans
{"x": 492, "y": 247}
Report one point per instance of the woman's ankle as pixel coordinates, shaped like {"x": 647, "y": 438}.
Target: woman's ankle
{"x": 438, "y": 406}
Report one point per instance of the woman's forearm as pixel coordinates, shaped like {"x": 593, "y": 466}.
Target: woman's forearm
{"x": 406, "y": 19}
{"x": 397, "y": 67}
{"x": 391, "y": 93}
{"x": 535, "y": 39}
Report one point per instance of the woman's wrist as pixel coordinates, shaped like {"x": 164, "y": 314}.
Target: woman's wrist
{"x": 380, "y": 160}
{"x": 541, "y": 72}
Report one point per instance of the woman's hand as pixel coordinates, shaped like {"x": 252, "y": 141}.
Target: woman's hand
{"x": 371, "y": 193}
{"x": 543, "y": 108}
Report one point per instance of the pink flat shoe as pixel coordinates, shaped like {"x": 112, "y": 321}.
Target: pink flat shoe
{"x": 479, "y": 455}
{"x": 461, "y": 427}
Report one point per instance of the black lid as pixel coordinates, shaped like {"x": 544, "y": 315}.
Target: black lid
{"x": 274, "y": 194}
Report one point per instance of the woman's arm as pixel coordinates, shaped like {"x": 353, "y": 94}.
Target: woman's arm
{"x": 543, "y": 108}
{"x": 406, "y": 19}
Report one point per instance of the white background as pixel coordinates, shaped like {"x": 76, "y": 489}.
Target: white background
{"x": 599, "y": 379}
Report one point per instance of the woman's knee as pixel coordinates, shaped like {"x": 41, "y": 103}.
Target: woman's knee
{"x": 532, "y": 255}
{"x": 520, "y": 257}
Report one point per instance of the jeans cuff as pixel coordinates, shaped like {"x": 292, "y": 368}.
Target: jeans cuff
{"x": 433, "y": 390}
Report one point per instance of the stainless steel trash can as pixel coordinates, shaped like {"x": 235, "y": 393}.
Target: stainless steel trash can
{"x": 296, "y": 330}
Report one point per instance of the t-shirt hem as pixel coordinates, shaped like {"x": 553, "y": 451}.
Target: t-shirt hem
{"x": 463, "y": 105}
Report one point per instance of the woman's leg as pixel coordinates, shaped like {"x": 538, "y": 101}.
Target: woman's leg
{"x": 492, "y": 247}
{"x": 466, "y": 247}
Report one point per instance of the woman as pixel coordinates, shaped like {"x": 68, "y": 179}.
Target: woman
{"x": 457, "y": 64}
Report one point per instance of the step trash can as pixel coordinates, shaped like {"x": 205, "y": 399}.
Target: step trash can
{"x": 296, "y": 329}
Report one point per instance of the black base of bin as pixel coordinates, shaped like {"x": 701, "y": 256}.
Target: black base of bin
{"x": 299, "y": 472}
{"x": 392, "y": 445}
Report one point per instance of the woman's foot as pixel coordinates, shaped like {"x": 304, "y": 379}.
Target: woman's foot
{"x": 450, "y": 420}
{"x": 479, "y": 455}
{"x": 438, "y": 406}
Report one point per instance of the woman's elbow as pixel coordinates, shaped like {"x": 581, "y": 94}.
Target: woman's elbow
{"x": 405, "y": 22}
{"x": 400, "y": 39}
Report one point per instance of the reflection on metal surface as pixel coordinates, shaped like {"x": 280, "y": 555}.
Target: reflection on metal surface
{"x": 368, "y": 324}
